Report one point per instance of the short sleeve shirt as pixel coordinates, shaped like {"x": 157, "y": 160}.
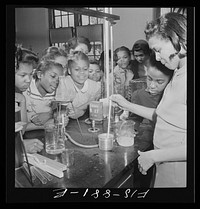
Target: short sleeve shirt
{"x": 35, "y": 102}
{"x": 80, "y": 98}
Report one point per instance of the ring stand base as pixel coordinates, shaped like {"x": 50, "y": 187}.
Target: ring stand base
{"x": 93, "y": 129}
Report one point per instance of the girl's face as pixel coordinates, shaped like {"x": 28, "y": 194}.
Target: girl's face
{"x": 165, "y": 52}
{"x": 79, "y": 71}
{"x": 140, "y": 56}
{"x": 94, "y": 72}
{"x": 123, "y": 59}
{"x": 156, "y": 80}
{"x": 82, "y": 47}
{"x": 49, "y": 80}
{"x": 23, "y": 76}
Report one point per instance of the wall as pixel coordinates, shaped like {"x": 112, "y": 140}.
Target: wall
{"x": 131, "y": 25}
{"x": 32, "y": 28}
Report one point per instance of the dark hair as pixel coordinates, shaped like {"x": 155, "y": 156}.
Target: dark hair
{"x": 44, "y": 66}
{"x": 94, "y": 62}
{"x": 52, "y": 52}
{"x": 122, "y": 48}
{"x": 172, "y": 26}
{"x": 77, "y": 56}
{"x": 23, "y": 55}
{"x": 73, "y": 42}
{"x": 101, "y": 59}
{"x": 158, "y": 65}
{"x": 141, "y": 45}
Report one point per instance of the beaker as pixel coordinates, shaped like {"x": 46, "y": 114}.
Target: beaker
{"x": 126, "y": 133}
{"x": 54, "y": 139}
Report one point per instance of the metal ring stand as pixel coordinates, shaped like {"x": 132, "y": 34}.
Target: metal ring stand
{"x": 93, "y": 129}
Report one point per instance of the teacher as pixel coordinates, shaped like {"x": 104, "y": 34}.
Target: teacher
{"x": 167, "y": 37}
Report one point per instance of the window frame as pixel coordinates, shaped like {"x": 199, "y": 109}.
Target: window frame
{"x": 78, "y": 20}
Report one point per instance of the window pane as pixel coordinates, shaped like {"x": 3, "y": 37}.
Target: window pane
{"x": 100, "y": 21}
{"x": 100, "y": 9}
{"x": 93, "y": 8}
{"x": 57, "y": 12}
{"x": 85, "y": 20}
{"x": 71, "y": 20}
{"x": 92, "y": 49}
{"x": 57, "y": 22}
{"x": 64, "y": 21}
{"x": 93, "y": 20}
{"x": 98, "y": 48}
{"x": 64, "y": 13}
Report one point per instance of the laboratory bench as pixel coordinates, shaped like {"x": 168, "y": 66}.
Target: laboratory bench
{"x": 93, "y": 167}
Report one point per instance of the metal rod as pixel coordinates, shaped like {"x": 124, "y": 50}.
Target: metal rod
{"x": 112, "y": 49}
{"x": 26, "y": 168}
{"x": 107, "y": 53}
{"x": 39, "y": 175}
{"x": 26, "y": 157}
{"x": 77, "y": 121}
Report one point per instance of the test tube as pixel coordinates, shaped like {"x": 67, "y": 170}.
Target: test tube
{"x": 39, "y": 175}
{"x": 45, "y": 174}
{"x": 26, "y": 168}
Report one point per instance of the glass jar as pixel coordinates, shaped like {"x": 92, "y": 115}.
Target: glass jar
{"x": 126, "y": 133}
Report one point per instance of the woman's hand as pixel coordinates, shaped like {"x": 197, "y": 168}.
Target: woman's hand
{"x": 120, "y": 100}
{"x": 145, "y": 161}
{"x": 33, "y": 145}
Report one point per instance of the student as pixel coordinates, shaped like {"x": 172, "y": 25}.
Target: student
{"x": 25, "y": 62}
{"x": 158, "y": 76}
{"x": 57, "y": 55}
{"x": 141, "y": 53}
{"x": 80, "y": 43}
{"x": 95, "y": 72}
{"x": 167, "y": 37}
{"x": 123, "y": 71}
{"x": 41, "y": 92}
{"x": 77, "y": 88}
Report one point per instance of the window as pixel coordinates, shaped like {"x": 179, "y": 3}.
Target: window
{"x": 181, "y": 10}
{"x": 62, "y": 19}
{"x": 89, "y": 20}
{"x": 95, "y": 50}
